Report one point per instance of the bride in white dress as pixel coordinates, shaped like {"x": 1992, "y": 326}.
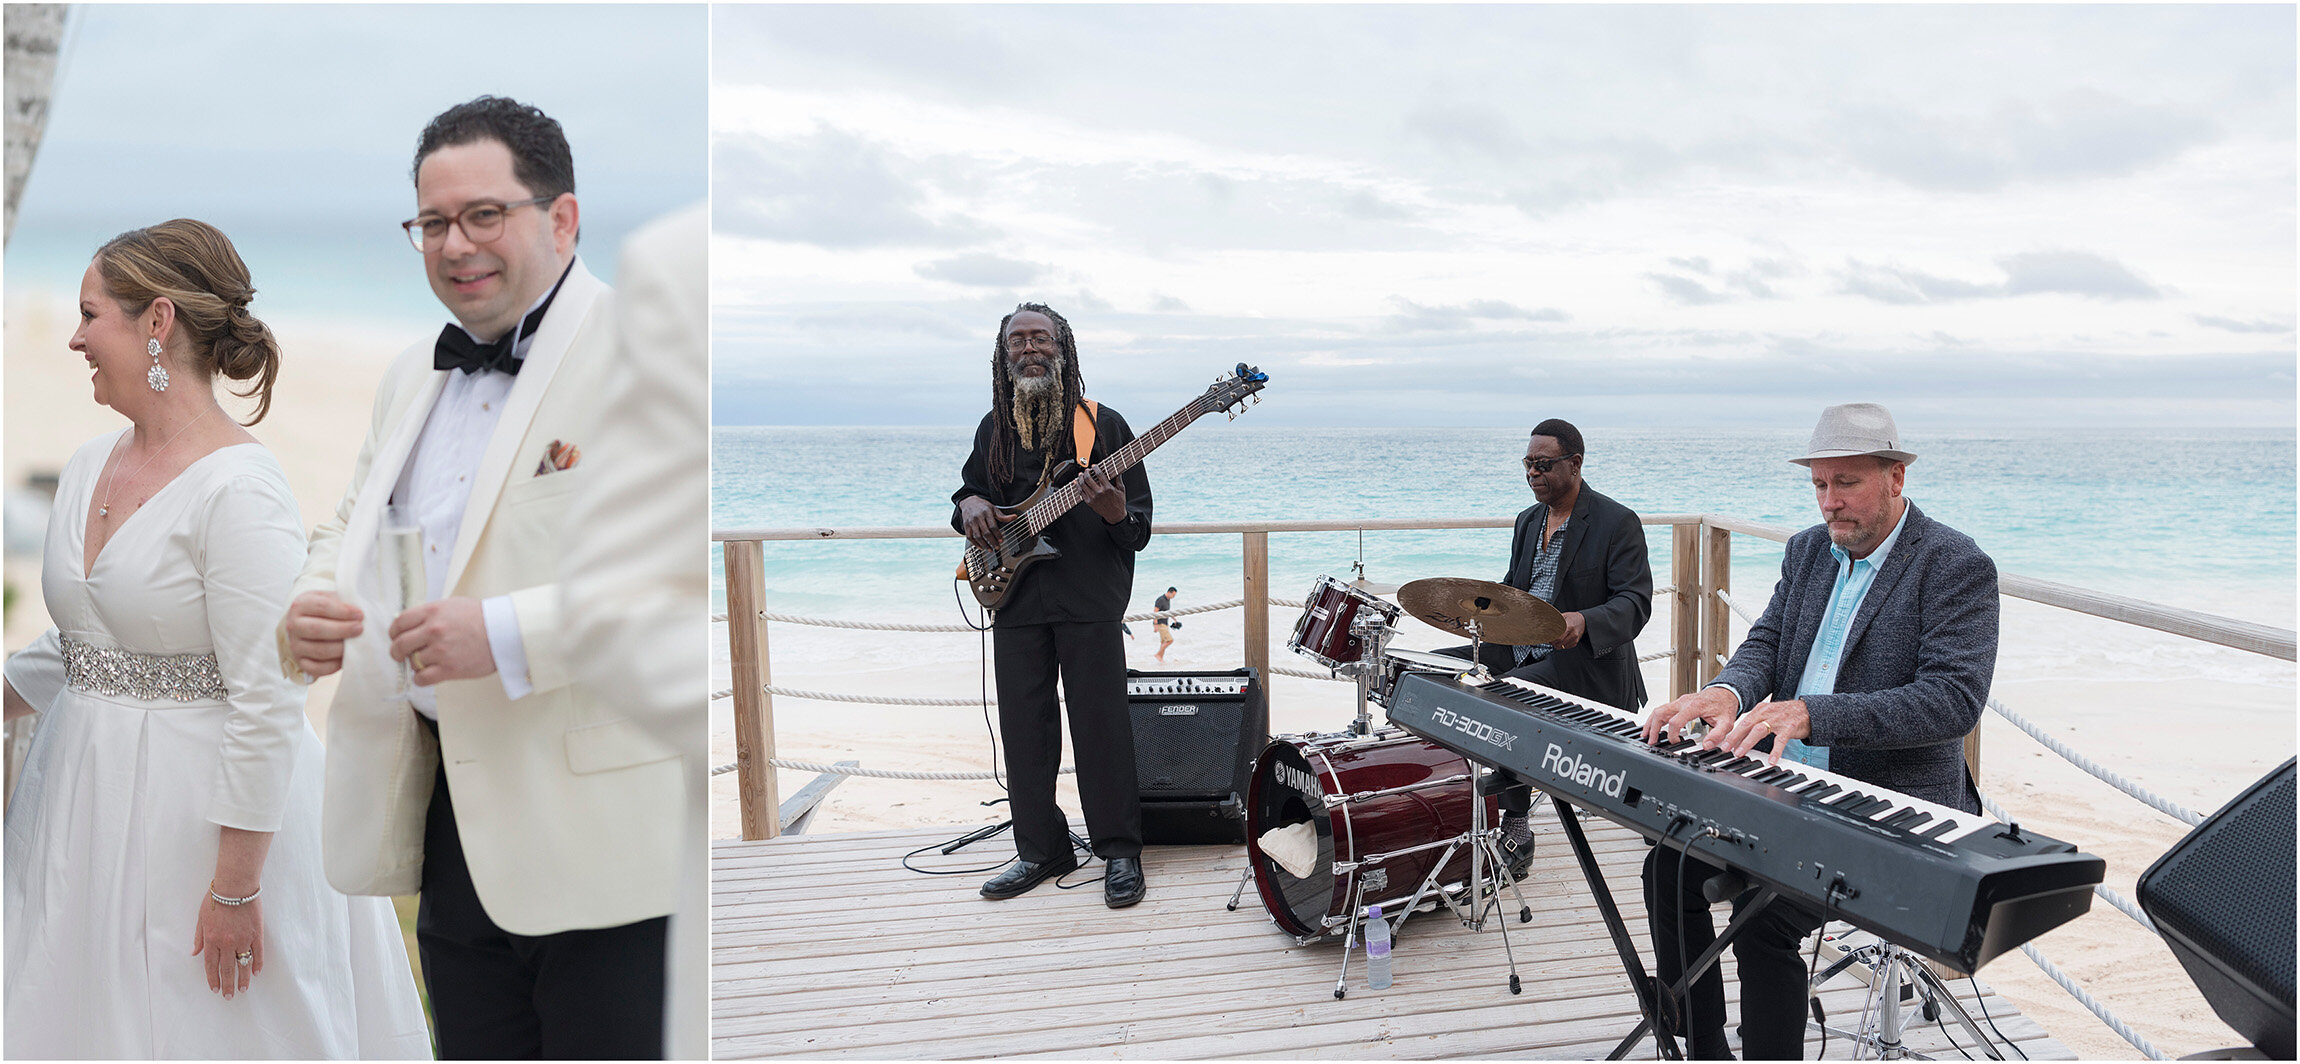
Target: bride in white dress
{"x": 164, "y": 893}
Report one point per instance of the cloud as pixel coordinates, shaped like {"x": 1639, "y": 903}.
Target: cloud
{"x": 1161, "y": 303}
{"x": 982, "y": 270}
{"x": 2077, "y": 273}
{"x": 1690, "y": 293}
{"x": 2233, "y": 325}
{"x": 1696, "y": 264}
{"x": 829, "y": 188}
{"x": 2082, "y": 134}
{"x": 1416, "y": 317}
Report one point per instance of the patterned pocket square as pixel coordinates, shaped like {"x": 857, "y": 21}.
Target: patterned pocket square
{"x": 558, "y": 457}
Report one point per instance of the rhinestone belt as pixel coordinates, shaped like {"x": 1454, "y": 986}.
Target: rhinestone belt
{"x": 115, "y": 671}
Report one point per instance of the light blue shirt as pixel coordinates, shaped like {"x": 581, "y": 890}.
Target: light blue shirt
{"x": 1854, "y": 578}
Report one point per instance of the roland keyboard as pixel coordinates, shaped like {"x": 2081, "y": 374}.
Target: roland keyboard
{"x": 1954, "y": 886}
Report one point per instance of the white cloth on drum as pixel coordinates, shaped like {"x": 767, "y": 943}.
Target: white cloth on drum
{"x": 112, "y": 833}
{"x": 1294, "y": 847}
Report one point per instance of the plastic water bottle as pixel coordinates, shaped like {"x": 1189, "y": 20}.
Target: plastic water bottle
{"x": 1377, "y": 950}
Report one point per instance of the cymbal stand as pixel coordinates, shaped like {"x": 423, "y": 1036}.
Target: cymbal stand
{"x": 1373, "y": 633}
{"x": 1477, "y": 652}
{"x": 1479, "y": 894}
{"x": 1890, "y": 968}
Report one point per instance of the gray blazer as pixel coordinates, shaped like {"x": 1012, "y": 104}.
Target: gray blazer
{"x": 1917, "y": 665}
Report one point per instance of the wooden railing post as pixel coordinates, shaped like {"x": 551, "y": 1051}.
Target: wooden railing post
{"x": 1685, "y": 609}
{"x": 1258, "y": 604}
{"x": 754, "y": 708}
{"x": 1716, "y": 576}
{"x": 1973, "y": 749}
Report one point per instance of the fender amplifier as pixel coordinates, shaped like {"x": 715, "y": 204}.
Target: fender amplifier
{"x": 1196, "y": 735}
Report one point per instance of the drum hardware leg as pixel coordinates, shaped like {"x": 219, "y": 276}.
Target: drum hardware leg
{"x": 1492, "y": 889}
{"x": 1883, "y": 1016}
{"x": 1244, "y": 878}
{"x": 1349, "y": 938}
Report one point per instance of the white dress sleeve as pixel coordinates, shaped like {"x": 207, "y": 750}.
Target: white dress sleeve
{"x": 251, "y": 549}
{"x": 37, "y": 671}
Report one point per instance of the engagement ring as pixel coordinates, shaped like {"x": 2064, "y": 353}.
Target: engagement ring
{"x": 246, "y": 957}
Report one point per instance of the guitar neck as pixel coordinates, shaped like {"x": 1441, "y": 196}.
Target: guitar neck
{"x": 1059, "y": 501}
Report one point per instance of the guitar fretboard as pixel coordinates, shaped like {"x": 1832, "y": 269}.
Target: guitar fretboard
{"x": 1060, "y": 500}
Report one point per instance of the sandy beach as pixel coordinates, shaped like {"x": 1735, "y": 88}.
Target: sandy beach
{"x": 2193, "y": 723}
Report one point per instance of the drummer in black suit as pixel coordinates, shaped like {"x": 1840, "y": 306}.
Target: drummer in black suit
{"x": 1584, "y": 554}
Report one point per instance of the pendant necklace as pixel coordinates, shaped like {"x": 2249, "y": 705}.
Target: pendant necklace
{"x": 104, "y": 509}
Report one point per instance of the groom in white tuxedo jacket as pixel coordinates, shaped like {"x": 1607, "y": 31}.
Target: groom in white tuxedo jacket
{"x": 541, "y": 827}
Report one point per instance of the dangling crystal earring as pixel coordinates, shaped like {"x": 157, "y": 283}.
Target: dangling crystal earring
{"x": 157, "y": 376}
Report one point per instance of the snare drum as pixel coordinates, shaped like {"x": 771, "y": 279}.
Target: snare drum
{"x": 1374, "y": 852}
{"x": 1397, "y": 663}
{"x": 1323, "y": 634}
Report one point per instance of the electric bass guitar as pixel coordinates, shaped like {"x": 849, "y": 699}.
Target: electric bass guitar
{"x": 990, "y": 574}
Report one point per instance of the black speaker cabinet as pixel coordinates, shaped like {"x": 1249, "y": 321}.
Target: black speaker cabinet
{"x": 1196, "y": 735}
{"x": 2222, "y": 899}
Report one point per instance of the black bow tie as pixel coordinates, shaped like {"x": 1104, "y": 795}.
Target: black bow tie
{"x": 457, "y": 350}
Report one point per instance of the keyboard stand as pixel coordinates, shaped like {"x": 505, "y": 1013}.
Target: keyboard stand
{"x": 1633, "y": 965}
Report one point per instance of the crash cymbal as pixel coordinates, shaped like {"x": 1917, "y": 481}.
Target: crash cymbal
{"x": 1374, "y": 587}
{"x": 1503, "y": 613}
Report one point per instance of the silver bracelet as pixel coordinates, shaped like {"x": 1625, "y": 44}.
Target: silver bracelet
{"x": 221, "y": 900}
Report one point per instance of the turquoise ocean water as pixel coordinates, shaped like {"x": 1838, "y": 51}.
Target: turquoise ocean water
{"x": 2202, "y": 519}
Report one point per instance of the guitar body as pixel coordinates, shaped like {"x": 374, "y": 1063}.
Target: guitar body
{"x": 990, "y": 575}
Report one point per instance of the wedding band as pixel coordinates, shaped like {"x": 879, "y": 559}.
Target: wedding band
{"x": 415, "y": 661}
{"x": 246, "y": 957}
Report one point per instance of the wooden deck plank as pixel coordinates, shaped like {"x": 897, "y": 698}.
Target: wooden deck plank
{"x": 825, "y": 946}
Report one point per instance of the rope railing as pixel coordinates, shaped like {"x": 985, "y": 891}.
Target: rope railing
{"x": 2132, "y": 790}
{"x": 2122, "y": 904}
{"x": 2088, "y": 1001}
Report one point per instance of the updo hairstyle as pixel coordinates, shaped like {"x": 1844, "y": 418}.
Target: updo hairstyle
{"x": 195, "y": 267}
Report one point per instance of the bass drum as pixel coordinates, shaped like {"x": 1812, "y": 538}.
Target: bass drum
{"x": 1385, "y": 845}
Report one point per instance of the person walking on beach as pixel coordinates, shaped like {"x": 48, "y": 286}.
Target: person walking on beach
{"x": 531, "y": 816}
{"x": 1877, "y": 650}
{"x": 1583, "y": 553}
{"x": 1164, "y": 625}
{"x": 1063, "y": 615}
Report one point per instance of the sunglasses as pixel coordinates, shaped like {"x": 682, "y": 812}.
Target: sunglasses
{"x": 1544, "y": 465}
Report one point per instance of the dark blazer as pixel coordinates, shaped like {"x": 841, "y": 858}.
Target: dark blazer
{"x": 1918, "y": 660}
{"x": 1603, "y": 573}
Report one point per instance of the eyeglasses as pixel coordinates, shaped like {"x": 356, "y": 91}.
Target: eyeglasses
{"x": 481, "y": 222}
{"x": 1543, "y": 465}
{"x": 1033, "y": 340}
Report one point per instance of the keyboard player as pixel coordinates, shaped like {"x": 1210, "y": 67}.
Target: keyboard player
{"x": 1872, "y": 660}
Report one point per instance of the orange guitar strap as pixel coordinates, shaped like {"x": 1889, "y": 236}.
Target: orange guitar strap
{"x": 1082, "y": 430}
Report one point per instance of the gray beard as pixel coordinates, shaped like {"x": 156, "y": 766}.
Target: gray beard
{"x": 1037, "y": 402}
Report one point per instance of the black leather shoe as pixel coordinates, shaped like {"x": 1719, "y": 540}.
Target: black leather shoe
{"x": 1519, "y": 856}
{"x": 1121, "y": 881}
{"x": 1020, "y": 876}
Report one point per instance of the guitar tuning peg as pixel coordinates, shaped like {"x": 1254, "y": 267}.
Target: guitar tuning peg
{"x": 1257, "y": 398}
{"x": 1233, "y": 415}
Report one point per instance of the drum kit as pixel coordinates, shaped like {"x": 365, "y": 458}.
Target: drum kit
{"x": 1339, "y": 823}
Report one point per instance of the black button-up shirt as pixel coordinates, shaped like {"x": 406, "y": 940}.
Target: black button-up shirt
{"x": 1094, "y": 578}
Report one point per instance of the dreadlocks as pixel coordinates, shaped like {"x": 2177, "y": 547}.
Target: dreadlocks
{"x": 1057, "y": 436}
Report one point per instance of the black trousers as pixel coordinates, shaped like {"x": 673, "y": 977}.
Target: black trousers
{"x": 1091, "y": 659}
{"x": 592, "y": 994}
{"x": 1772, "y": 973}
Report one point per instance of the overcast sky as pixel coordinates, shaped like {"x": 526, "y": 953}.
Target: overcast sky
{"x": 1622, "y": 215}
{"x": 292, "y": 127}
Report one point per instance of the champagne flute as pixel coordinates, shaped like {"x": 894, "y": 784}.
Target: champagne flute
{"x": 400, "y": 558}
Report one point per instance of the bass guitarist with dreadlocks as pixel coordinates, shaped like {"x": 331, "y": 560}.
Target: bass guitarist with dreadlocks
{"x": 1064, "y": 614}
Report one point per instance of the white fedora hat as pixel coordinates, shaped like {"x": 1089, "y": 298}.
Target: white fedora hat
{"x": 1850, "y": 429}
